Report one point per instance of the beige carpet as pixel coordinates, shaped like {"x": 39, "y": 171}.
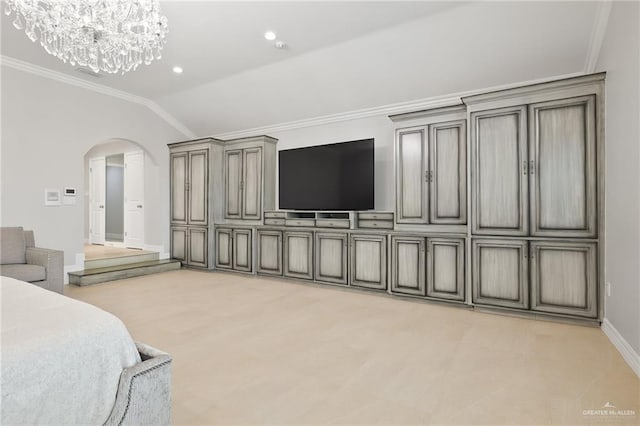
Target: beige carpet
{"x": 250, "y": 350}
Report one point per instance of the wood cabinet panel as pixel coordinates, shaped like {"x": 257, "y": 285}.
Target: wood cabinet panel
{"x": 179, "y": 243}
{"x": 198, "y": 247}
{"x": 198, "y": 187}
{"x": 233, "y": 179}
{"x": 242, "y": 250}
{"x": 224, "y": 248}
{"x": 331, "y": 257}
{"x": 445, "y": 268}
{"x": 499, "y": 172}
{"x": 500, "y": 273}
{"x": 178, "y": 193}
{"x": 564, "y": 277}
{"x": 298, "y": 255}
{"x": 411, "y": 167}
{"x": 448, "y": 172}
{"x": 251, "y": 185}
{"x": 408, "y": 264}
{"x": 562, "y": 144}
{"x": 269, "y": 252}
{"x": 368, "y": 261}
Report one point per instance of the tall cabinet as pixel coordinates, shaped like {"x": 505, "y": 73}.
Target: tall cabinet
{"x": 535, "y": 154}
{"x": 431, "y": 167}
{"x": 225, "y": 184}
{"x": 193, "y": 179}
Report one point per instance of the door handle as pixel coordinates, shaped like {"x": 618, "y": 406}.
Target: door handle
{"x": 139, "y": 206}
{"x": 532, "y": 167}
{"x": 524, "y": 168}
{"x": 101, "y": 206}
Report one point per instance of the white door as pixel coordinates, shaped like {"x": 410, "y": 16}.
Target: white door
{"x": 97, "y": 191}
{"x": 134, "y": 199}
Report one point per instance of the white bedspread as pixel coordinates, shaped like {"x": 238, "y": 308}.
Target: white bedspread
{"x": 61, "y": 358}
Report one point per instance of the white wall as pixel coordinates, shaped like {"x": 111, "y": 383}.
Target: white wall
{"x": 380, "y": 128}
{"x": 47, "y": 128}
{"x": 620, "y": 58}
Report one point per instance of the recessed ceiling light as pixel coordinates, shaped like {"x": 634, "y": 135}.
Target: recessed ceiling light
{"x": 270, "y": 35}
{"x": 177, "y": 70}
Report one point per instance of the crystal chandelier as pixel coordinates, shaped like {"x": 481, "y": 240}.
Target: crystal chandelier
{"x": 105, "y": 35}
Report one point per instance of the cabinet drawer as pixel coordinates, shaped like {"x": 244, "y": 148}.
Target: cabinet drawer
{"x": 275, "y": 215}
{"x": 375, "y": 224}
{"x": 279, "y": 222}
{"x": 332, "y": 223}
{"x": 300, "y": 222}
{"x": 375, "y": 216}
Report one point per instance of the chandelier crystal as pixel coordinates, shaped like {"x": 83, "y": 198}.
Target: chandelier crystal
{"x": 104, "y": 35}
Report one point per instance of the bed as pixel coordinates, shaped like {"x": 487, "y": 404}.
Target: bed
{"x": 68, "y": 362}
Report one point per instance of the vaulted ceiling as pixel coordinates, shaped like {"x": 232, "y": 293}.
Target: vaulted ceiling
{"x": 340, "y": 56}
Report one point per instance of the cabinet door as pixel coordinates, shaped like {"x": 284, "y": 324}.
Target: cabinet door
{"x": 499, "y": 172}
{"x": 198, "y": 247}
{"x": 448, "y": 172}
{"x": 562, "y": 172}
{"x": 224, "y": 248}
{"x": 252, "y": 183}
{"x": 500, "y": 273}
{"x": 233, "y": 184}
{"x": 179, "y": 243}
{"x": 368, "y": 261}
{"x": 242, "y": 250}
{"x": 269, "y": 252}
{"x": 445, "y": 268}
{"x": 411, "y": 169}
{"x": 179, "y": 168}
{"x": 564, "y": 278}
{"x": 198, "y": 187}
{"x": 298, "y": 255}
{"x": 331, "y": 257}
{"x": 407, "y": 264}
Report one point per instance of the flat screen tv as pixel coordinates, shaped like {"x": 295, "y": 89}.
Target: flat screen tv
{"x": 338, "y": 176}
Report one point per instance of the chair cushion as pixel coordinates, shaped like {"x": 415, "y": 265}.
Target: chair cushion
{"x": 24, "y": 272}
{"x": 12, "y": 245}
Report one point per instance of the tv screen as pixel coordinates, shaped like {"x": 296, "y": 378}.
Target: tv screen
{"x": 327, "y": 177}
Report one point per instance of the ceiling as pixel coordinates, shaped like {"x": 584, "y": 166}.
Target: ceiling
{"x": 213, "y": 39}
{"x": 341, "y": 56}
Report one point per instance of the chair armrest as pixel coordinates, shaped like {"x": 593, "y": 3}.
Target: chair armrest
{"x": 53, "y": 262}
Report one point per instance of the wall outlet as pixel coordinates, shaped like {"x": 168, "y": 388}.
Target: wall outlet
{"x": 608, "y": 288}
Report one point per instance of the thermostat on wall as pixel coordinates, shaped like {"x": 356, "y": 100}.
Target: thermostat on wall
{"x": 69, "y": 196}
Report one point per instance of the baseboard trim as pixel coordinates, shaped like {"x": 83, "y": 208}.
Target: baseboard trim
{"x": 628, "y": 353}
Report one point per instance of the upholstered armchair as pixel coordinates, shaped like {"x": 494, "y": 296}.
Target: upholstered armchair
{"x": 22, "y": 260}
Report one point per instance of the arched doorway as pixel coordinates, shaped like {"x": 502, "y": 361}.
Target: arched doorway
{"x": 115, "y": 207}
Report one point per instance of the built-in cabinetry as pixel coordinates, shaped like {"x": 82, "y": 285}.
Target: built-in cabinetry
{"x": 234, "y": 249}
{"x": 215, "y": 182}
{"x": 431, "y": 182}
{"x": 424, "y": 266}
{"x": 298, "y": 254}
{"x": 534, "y": 199}
{"x": 249, "y": 177}
{"x": 269, "y": 251}
{"x": 192, "y": 187}
{"x": 542, "y": 275}
{"x": 501, "y": 194}
{"x": 368, "y": 260}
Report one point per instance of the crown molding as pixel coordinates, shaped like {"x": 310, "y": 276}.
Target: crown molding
{"x": 391, "y": 109}
{"x": 598, "y": 31}
{"x": 95, "y": 87}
